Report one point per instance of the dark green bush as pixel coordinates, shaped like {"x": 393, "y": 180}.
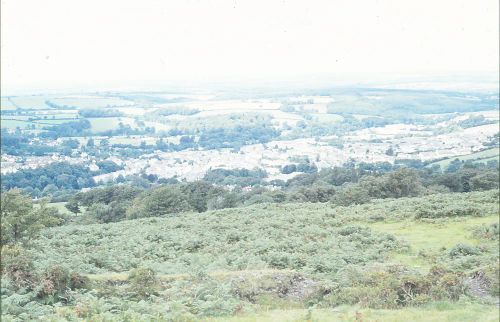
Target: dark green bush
{"x": 55, "y": 280}
{"x": 463, "y": 250}
{"x": 394, "y": 288}
{"x": 457, "y": 210}
{"x": 487, "y": 231}
{"x": 143, "y": 282}
{"x": 17, "y": 266}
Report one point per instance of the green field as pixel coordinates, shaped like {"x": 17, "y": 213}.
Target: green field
{"x": 328, "y": 118}
{"x": 12, "y": 122}
{"x": 438, "y": 312}
{"x": 482, "y": 156}
{"x": 31, "y": 102}
{"x": 97, "y": 124}
{"x": 100, "y": 124}
{"x": 60, "y": 114}
{"x": 60, "y": 206}
{"x": 431, "y": 237}
{"x": 49, "y": 121}
{"x": 91, "y": 101}
{"x": 132, "y": 140}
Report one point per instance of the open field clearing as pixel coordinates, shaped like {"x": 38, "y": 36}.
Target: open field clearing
{"x": 24, "y": 122}
{"x": 429, "y": 238}
{"x": 158, "y": 126}
{"x": 59, "y": 206}
{"x": 30, "y": 102}
{"x": 231, "y": 105}
{"x": 13, "y": 124}
{"x": 137, "y": 140}
{"x": 90, "y": 101}
{"x": 134, "y": 111}
{"x": 328, "y": 118}
{"x": 437, "y": 312}
{"x": 482, "y": 156}
{"x": 50, "y": 121}
{"x": 423, "y": 235}
{"x": 100, "y": 124}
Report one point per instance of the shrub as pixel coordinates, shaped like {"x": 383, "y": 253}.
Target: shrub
{"x": 491, "y": 274}
{"x": 158, "y": 202}
{"x": 487, "y": 231}
{"x": 463, "y": 250}
{"x": 77, "y": 281}
{"x": 396, "y": 287}
{"x": 17, "y": 266}
{"x": 351, "y": 195}
{"x": 143, "y": 282}
{"x": 115, "y": 211}
{"x": 56, "y": 280}
{"x": 457, "y": 210}
{"x": 21, "y": 221}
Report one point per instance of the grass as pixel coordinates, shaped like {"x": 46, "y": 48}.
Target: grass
{"x": 49, "y": 122}
{"x": 221, "y": 275}
{"x": 436, "y": 312}
{"x": 431, "y": 236}
{"x": 31, "y": 101}
{"x": 100, "y": 124}
{"x": 91, "y": 101}
{"x": 328, "y": 118}
{"x": 132, "y": 140}
{"x": 243, "y": 260}
{"x": 12, "y": 124}
{"x": 481, "y": 156}
{"x": 21, "y": 121}
{"x": 61, "y": 207}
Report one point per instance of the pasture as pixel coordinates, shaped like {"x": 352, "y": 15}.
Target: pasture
{"x": 481, "y": 156}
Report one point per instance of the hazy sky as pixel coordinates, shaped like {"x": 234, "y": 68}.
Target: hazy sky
{"x": 73, "y": 42}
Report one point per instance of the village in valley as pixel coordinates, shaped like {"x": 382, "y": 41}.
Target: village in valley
{"x": 150, "y": 122}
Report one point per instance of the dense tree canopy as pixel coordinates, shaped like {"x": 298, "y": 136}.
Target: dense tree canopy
{"x": 21, "y": 220}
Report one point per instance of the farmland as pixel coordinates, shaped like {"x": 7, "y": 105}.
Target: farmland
{"x": 314, "y": 125}
{"x": 482, "y": 156}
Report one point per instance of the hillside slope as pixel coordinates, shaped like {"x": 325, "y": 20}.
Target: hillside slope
{"x": 397, "y": 254}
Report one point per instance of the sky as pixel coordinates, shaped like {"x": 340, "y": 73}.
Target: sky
{"x": 74, "y": 42}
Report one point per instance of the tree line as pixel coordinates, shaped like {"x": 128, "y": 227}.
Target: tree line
{"x": 344, "y": 186}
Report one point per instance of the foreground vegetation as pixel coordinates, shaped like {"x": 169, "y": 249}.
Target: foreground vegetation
{"x": 271, "y": 261}
{"x": 436, "y": 312}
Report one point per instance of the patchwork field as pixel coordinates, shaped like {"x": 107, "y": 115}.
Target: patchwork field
{"x": 482, "y": 156}
{"x": 100, "y": 124}
{"x": 80, "y": 101}
{"x": 30, "y": 102}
